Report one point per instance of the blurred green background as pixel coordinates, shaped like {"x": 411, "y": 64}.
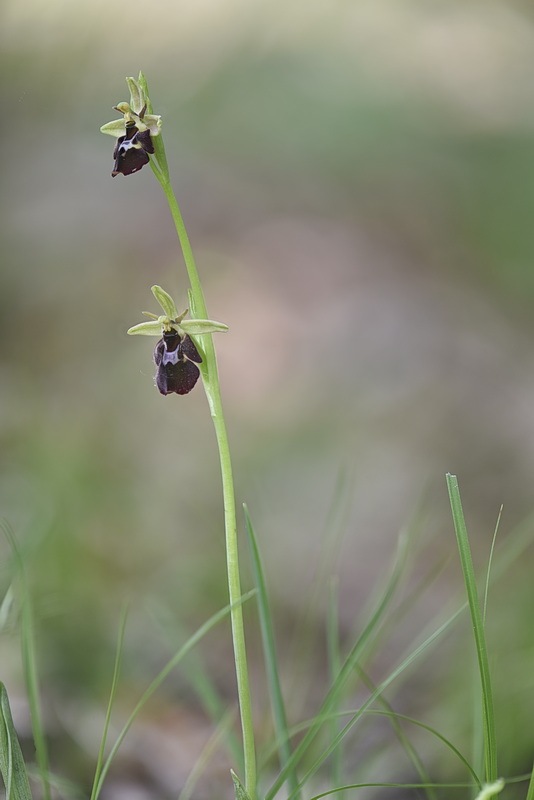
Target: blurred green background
{"x": 357, "y": 179}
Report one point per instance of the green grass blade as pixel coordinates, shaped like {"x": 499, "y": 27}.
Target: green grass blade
{"x": 211, "y": 746}
{"x": 403, "y": 739}
{"x": 384, "y": 785}
{"x": 30, "y": 673}
{"x": 433, "y": 732}
{"x": 346, "y": 671}
{"x": 334, "y": 667}
{"x": 12, "y": 765}
{"x": 303, "y": 641}
{"x": 29, "y": 663}
{"x": 530, "y": 790}
{"x": 160, "y": 677}
{"x": 373, "y": 697}
{"x": 114, "y": 685}
{"x": 5, "y": 608}
{"x": 410, "y": 720}
{"x": 488, "y": 717}
{"x": 271, "y": 661}
{"x": 193, "y": 669}
{"x": 490, "y": 563}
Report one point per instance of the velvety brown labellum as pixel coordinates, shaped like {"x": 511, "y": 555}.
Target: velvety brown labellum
{"x": 131, "y": 150}
{"x": 174, "y": 356}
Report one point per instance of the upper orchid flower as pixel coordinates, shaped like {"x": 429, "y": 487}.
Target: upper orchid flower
{"x": 134, "y": 131}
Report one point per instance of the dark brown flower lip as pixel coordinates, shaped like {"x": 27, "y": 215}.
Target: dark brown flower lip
{"x": 174, "y": 356}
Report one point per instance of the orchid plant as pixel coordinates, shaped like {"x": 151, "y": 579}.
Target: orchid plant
{"x": 185, "y": 349}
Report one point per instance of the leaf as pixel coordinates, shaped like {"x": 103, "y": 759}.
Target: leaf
{"x": 271, "y": 661}
{"x": 12, "y": 764}
{"x": 240, "y": 792}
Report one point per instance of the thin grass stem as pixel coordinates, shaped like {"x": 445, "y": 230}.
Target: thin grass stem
{"x": 158, "y": 680}
{"x": 490, "y": 745}
{"x": 114, "y": 685}
{"x": 271, "y": 662}
{"x": 334, "y": 667}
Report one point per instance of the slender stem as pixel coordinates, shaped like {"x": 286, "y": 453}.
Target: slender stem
{"x": 464, "y": 549}
{"x": 212, "y": 388}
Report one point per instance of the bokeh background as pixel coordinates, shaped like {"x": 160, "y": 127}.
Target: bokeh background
{"x": 357, "y": 179}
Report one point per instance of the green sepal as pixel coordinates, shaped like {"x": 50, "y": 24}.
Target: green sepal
{"x": 115, "y": 128}
{"x": 137, "y": 96}
{"x": 141, "y": 80}
{"x": 134, "y": 111}
{"x": 145, "y": 329}
{"x": 172, "y": 320}
{"x": 166, "y": 302}
{"x": 12, "y": 765}
{"x": 240, "y": 791}
{"x": 198, "y": 327}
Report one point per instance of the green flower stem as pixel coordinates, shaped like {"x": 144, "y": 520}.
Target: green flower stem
{"x": 213, "y": 393}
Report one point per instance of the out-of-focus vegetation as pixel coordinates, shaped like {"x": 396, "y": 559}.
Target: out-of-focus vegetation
{"x": 358, "y": 184}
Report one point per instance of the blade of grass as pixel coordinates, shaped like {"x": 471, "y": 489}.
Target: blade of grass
{"x": 530, "y": 790}
{"x": 390, "y": 786}
{"x": 114, "y": 685}
{"x": 373, "y": 697}
{"x": 404, "y": 718}
{"x": 271, "y": 661}
{"x": 490, "y": 562}
{"x": 346, "y": 670}
{"x": 478, "y": 727}
{"x": 12, "y": 765}
{"x": 403, "y": 739}
{"x": 29, "y": 664}
{"x": 5, "y": 607}
{"x": 208, "y": 750}
{"x": 519, "y": 539}
{"x": 62, "y": 788}
{"x": 160, "y": 677}
{"x": 334, "y": 667}
{"x": 334, "y": 528}
{"x": 194, "y": 671}
{"x": 488, "y": 718}
{"x": 29, "y": 661}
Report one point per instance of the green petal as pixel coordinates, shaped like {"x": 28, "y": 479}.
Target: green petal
{"x": 137, "y": 99}
{"x": 199, "y": 326}
{"x": 115, "y": 128}
{"x": 145, "y": 329}
{"x": 165, "y": 301}
{"x": 153, "y": 123}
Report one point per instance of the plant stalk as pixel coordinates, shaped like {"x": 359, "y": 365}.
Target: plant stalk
{"x": 211, "y": 385}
